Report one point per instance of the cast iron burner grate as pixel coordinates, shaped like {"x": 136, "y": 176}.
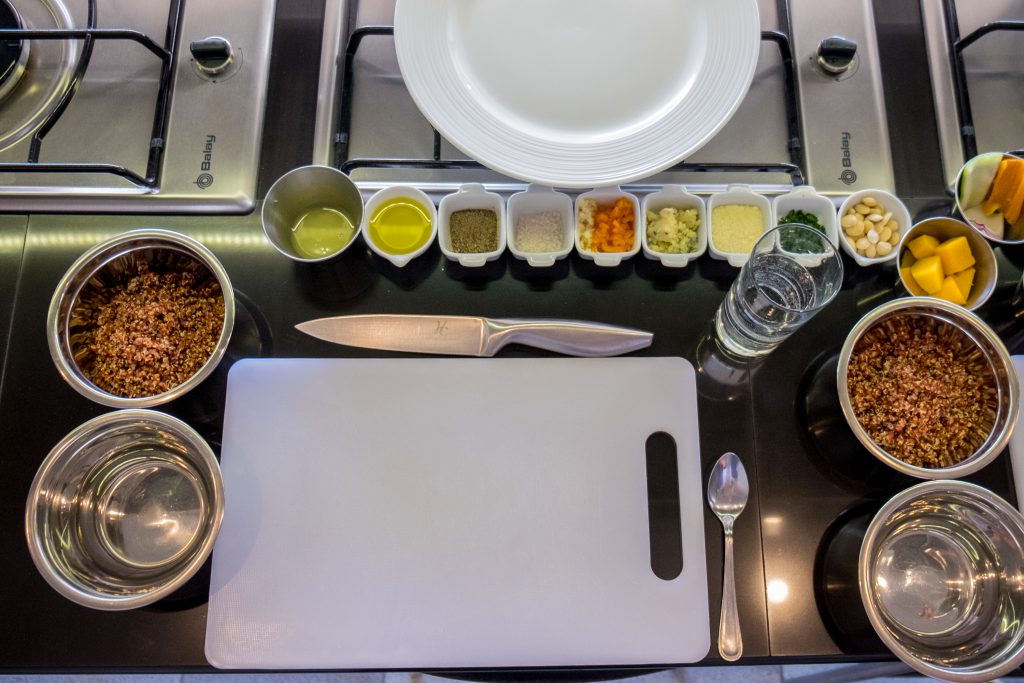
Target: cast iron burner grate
{"x": 89, "y": 36}
{"x": 957, "y": 45}
{"x": 12, "y": 56}
{"x": 795, "y": 146}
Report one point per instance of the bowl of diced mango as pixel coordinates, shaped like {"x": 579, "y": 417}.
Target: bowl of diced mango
{"x": 947, "y": 259}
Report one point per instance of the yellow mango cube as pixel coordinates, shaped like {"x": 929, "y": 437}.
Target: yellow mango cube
{"x": 928, "y": 274}
{"x": 950, "y": 291}
{"x": 922, "y": 246}
{"x": 964, "y": 279}
{"x": 955, "y": 254}
{"x": 911, "y": 283}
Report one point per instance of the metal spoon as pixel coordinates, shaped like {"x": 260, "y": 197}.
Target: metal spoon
{"x": 727, "y": 496}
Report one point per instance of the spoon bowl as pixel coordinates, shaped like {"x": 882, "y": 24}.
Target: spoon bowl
{"x": 728, "y": 488}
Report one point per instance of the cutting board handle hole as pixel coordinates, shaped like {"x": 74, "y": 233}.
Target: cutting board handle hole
{"x": 663, "y": 508}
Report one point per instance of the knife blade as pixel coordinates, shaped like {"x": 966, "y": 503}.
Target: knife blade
{"x": 471, "y": 336}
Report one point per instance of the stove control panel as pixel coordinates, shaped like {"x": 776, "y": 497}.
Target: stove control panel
{"x": 842, "y": 103}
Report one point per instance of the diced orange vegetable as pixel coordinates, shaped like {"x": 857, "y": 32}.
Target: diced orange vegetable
{"x": 911, "y": 283}
{"x": 951, "y": 292}
{"x": 964, "y": 279}
{"x": 1001, "y": 196}
{"x": 614, "y": 227}
{"x": 928, "y": 273}
{"x": 922, "y": 246}
{"x": 955, "y": 254}
{"x": 1013, "y": 210}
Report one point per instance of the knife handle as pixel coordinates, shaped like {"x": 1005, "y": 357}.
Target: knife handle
{"x": 569, "y": 337}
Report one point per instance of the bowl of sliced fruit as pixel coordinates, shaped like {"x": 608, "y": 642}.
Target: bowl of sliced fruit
{"x": 947, "y": 259}
{"x": 990, "y": 196}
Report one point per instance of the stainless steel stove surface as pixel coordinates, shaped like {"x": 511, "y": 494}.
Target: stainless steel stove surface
{"x": 981, "y": 108}
{"x": 125, "y": 143}
{"x": 831, "y": 128}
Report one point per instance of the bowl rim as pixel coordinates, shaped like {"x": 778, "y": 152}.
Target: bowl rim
{"x": 960, "y": 210}
{"x": 298, "y": 171}
{"x": 864, "y": 261}
{"x": 382, "y": 195}
{"x": 966, "y": 229}
{"x": 93, "y": 427}
{"x": 974, "y": 674}
{"x": 74, "y": 376}
{"x": 978, "y": 459}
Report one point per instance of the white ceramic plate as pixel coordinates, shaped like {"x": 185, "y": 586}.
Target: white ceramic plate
{"x": 577, "y": 93}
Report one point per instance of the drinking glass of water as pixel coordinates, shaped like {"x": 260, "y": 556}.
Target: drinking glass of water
{"x": 793, "y": 272}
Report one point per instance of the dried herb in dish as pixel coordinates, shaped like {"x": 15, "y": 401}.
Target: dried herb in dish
{"x": 473, "y": 231}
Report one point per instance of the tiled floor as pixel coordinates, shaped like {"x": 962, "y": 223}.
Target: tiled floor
{"x": 722, "y": 674}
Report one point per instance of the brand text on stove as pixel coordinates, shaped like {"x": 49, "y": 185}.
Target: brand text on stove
{"x": 205, "y": 178}
{"x": 848, "y": 176}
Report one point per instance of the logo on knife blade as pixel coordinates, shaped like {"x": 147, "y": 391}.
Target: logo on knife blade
{"x": 442, "y": 328}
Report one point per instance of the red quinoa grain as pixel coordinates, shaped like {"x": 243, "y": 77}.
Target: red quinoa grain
{"x": 149, "y": 334}
{"x": 922, "y": 391}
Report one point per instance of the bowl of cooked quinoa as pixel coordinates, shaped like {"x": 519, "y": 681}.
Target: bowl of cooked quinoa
{"x": 141, "y": 318}
{"x": 928, "y": 388}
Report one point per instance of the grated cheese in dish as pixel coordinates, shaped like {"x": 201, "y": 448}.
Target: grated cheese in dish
{"x": 736, "y": 227}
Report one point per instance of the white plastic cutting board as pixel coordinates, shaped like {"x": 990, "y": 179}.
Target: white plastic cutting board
{"x": 443, "y": 513}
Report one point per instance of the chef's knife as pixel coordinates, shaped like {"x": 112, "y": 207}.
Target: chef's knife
{"x": 469, "y": 336}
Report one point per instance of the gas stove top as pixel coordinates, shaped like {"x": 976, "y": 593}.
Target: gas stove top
{"x": 974, "y": 50}
{"x": 815, "y": 112}
{"x": 818, "y": 110}
{"x": 132, "y": 105}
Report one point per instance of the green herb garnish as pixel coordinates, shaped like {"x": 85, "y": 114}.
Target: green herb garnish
{"x": 801, "y": 244}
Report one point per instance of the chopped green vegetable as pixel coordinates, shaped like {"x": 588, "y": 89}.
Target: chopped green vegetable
{"x": 801, "y": 244}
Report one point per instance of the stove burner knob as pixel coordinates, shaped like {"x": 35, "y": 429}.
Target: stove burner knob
{"x": 836, "y": 54}
{"x": 212, "y": 55}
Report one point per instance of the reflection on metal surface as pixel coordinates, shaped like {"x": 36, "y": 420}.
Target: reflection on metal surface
{"x": 943, "y": 90}
{"x": 12, "y": 243}
{"x": 777, "y": 591}
{"x": 86, "y": 238}
{"x": 47, "y": 72}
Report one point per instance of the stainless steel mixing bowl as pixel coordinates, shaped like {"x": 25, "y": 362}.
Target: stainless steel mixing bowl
{"x": 941, "y": 575}
{"x": 108, "y": 263}
{"x": 974, "y": 333}
{"x": 124, "y": 509}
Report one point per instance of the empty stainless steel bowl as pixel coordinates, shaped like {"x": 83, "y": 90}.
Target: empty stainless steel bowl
{"x": 975, "y": 333}
{"x": 106, "y": 264}
{"x": 124, "y": 510}
{"x": 941, "y": 575}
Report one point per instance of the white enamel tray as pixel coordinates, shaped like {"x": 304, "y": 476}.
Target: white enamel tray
{"x": 577, "y": 93}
